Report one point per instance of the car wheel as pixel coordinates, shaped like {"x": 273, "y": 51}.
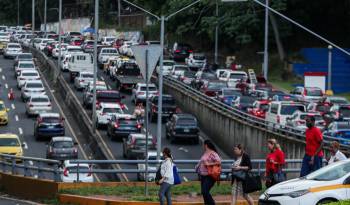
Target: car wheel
{"x": 326, "y": 201}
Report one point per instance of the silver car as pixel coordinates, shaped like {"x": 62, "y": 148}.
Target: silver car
{"x": 23, "y": 65}
{"x": 37, "y": 104}
{"x": 12, "y": 50}
{"x": 30, "y": 88}
{"x": 82, "y": 80}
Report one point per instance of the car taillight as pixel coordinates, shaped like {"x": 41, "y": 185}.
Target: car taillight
{"x": 177, "y": 51}
{"x": 138, "y": 126}
{"x": 65, "y": 172}
{"x": 140, "y": 93}
{"x": 278, "y": 119}
{"x": 116, "y": 125}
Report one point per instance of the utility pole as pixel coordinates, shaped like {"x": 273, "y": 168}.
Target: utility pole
{"x": 216, "y": 33}
{"x": 329, "y": 87}
{"x": 45, "y": 16}
{"x": 33, "y": 16}
{"x": 119, "y": 9}
{"x": 266, "y": 41}
{"x": 95, "y": 68}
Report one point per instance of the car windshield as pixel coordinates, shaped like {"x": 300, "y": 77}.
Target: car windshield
{"x": 290, "y": 109}
{"x": 199, "y": 57}
{"x": 128, "y": 122}
{"x": 247, "y": 100}
{"x": 9, "y": 142}
{"x": 187, "y": 122}
{"x": 110, "y": 39}
{"x": 113, "y": 110}
{"x": 74, "y": 169}
{"x": 30, "y": 74}
{"x": 142, "y": 142}
{"x": 216, "y": 85}
{"x": 208, "y": 76}
{"x": 236, "y": 76}
{"x": 149, "y": 88}
{"x": 25, "y": 56}
{"x": 112, "y": 51}
{"x": 87, "y": 75}
{"x": 14, "y": 46}
{"x": 345, "y": 111}
{"x": 75, "y": 33}
{"x": 40, "y": 99}
{"x": 51, "y": 119}
{"x": 34, "y": 85}
{"x": 317, "y": 117}
{"x": 63, "y": 144}
{"x": 189, "y": 74}
{"x": 166, "y": 100}
{"x": 314, "y": 92}
{"x": 26, "y": 65}
{"x": 264, "y": 107}
{"x": 322, "y": 108}
{"x": 330, "y": 172}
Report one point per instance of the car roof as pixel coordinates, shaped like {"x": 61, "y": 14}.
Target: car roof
{"x": 47, "y": 114}
{"x": 110, "y": 105}
{"x": 140, "y": 136}
{"x": 64, "y": 138}
{"x": 9, "y": 135}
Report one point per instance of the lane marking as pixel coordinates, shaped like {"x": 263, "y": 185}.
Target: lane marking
{"x": 16, "y": 118}
{"x": 183, "y": 149}
{"x": 201, "y": 139}
{"x": 31, "y": 163}
{"x": 13, "y": 106}
{"x": 102, "y": 78}
{"x": 3, "y": 77}
{"x": 25, "y": 145}
{"x": 0, "y": 69}
{"x": 6, "y": 86}
{"x": 20, "y": 130}
{"x": 185, "y": 179}
{"x": 69, "y": 126}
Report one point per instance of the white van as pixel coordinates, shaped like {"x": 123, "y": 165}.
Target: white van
{"x": 279, "y": 111}
{"x": 79, "y": 62}
{"x": 233, "y": 77}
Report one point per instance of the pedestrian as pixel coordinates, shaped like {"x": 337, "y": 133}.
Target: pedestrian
{"x": 336, "y": 154}
{"x": 240, "y": 167}
{"x": 209, "y": 158}
{"x": 313, "y": 157}
{"x": 275, "y": 160}
{"x": 167, "y": 177}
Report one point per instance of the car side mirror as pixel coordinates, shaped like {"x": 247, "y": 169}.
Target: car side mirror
{"x": 347, "y": 180}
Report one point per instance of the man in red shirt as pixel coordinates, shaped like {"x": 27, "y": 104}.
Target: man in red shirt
{"x": 313, "y": 157}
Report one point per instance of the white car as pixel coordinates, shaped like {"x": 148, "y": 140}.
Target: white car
{"x": 68, "y": 176}
{"x": 23, "y": 65}
{"x": 233, "y": 77}
{"x": 82, "y": 79}
{"x": 37, "y": 104}
{"x": 152, "y": 168}
{"x": 278, "y": 112}
{"x": 178, "y": 70}
{"x": 108, "y": 40}
{"x": 196, "y": 60}
{"x": 72, "y": 49}
{"x": 105, "y": 111}
{"x": 167, "y": 67}
{"x": 328, "y": 184}
{"x": 42, "y": 44}
{"x": 27, "y": 75}
{"x": 139, "y": 92}
{"x": 307, "y": 94}
{"x": 107, "y": 53}
{"x": 56, "y": 51}
{"x": 30, "y": 88}
{"x": 12, "y": 50}
{"x": 298, "y": 120}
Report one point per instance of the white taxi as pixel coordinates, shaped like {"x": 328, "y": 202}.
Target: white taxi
{"x": 328, "y": 184}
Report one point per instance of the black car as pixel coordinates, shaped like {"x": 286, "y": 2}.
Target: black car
{"x": 245, "y": 102}
{"x": 122, "y": 126}
{"x": 168, "y": 109}
{"x": 182, "y": 126}
{"x": 62, "y": 148}
{"x": 48, "y": 125}
{"x": 181, "y": 51}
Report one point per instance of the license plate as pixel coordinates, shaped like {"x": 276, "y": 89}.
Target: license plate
{"x": 186, "y": 130}
{"x": 50, "y": 127}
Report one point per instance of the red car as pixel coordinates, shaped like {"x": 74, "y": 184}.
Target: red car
{"x": 260, "y": 108}
{"x": 76, "y": 42}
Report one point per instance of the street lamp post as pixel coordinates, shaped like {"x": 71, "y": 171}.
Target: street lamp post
{"x": 162, "y": 20}
{"x": 95, "y": 68}
{"x": 329, "y": 87}
{"x": 45, "y": 16}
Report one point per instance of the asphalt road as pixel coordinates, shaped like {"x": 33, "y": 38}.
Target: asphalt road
{"x": 181, "y": 150}
{"x": 19, "y": 123}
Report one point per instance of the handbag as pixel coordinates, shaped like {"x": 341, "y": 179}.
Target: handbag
{"x": 251, "y": 183}
{"x": 177, "y": 179}
{"x": 158, "y": 176}
{"x": 238, "y": 175}
{"x": 214, "y": 171}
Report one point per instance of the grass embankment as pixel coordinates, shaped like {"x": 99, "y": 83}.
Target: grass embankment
{"x": 340, "y": 203}
{"x": 136, "y": 193}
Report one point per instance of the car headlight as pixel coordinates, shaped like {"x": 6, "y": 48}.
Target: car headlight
{"x": 297, "y": 194}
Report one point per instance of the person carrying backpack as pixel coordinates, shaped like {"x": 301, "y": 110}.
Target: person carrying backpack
{"x": 208, "y": 169}
{"x": 167, "y": 177}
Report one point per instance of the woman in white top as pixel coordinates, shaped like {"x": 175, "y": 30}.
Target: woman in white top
{"x": 167, "y": 180}
{"x": 336, "y": 155}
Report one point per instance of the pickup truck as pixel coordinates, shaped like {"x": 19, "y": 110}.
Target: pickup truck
{"x": 79, "y": 62}
{"x": 127, "y": 76}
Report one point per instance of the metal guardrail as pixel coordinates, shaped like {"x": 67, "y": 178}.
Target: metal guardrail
{"x": 250, "y": 120}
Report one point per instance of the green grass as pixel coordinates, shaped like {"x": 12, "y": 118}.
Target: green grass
{"x": 137, "y": 192}
{"x": 340, "y": 203}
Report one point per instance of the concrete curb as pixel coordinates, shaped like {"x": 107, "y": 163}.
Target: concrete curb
{"x": 83, "y": 200}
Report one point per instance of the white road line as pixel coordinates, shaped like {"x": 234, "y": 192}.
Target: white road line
{"x": 13, "y": 106}
{"x": 25, "y": 145}
{"x": 20, "y": 130}
{"x": 0, "y": 69}
{"x": 31, "y": 163}
{"x": 3, "y": 77}
{"x": 6, "y": 86}
{"x": 16, "y": 118}
{"x": 102, "y": 78}
{"x": 201, "y": 139}
{"x": 185, "y": 179}
{"x": 183, "y": 149}
{"x": 69, "y": 126}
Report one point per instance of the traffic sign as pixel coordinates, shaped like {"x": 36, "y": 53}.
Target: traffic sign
{"x": 139, "y": 52}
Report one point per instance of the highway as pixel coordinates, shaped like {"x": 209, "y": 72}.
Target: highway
{"x": 19, "y": 123}
{"x": 181, "y": 150}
